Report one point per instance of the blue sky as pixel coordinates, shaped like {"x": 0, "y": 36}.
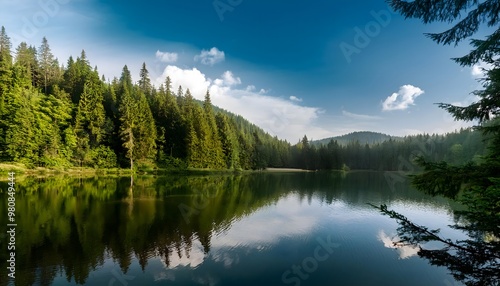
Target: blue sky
{"x": 320, "y": 68}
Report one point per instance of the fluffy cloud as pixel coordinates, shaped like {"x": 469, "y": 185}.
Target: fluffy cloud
{"x": 276, "y": 115}
{"x": 402, "y": 99}
{"x": 187, "y": 78}
{"x": 294, "y": 98}
{"x": 210, "y": 57}
{"x": 404, "y": 251}
{"x": 228, "y": 79}
{"x": 166, "y": 57}
{"x": 478, "y": 70}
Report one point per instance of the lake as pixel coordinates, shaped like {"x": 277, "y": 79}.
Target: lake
{"x": 251, "y": 229}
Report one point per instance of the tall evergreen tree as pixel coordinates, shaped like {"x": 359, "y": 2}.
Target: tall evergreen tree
{"x": 5, "y": 85}
{"x": 127, "y": 109}
{"x": 90, "y": 115}
{"x": 171, "y": 123}
{"x": 474, "y": 261}
{"x": 213, "y": 146}
{"x": 48, "y": 64}
{"x": 137, "y": 129}
{"x": 145, "y": 82}
{"x": 229, "y": 142}
{"x": 27, "y": 62}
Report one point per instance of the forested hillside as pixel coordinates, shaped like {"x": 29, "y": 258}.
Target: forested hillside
{"x": 363, "y": 137}
{"x": 54, "y": 115}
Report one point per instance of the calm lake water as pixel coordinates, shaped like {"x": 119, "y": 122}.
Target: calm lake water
{"x": 257, "y": 229}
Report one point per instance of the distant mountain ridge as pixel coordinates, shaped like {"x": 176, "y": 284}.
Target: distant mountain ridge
{"x": 363, "y": 137}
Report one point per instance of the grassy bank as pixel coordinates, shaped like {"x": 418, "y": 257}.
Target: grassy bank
{"x": 22, "y": 170}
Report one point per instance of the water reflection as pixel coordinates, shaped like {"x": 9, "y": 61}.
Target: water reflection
{"x": 394, "y": 242}
{"x": 190, "y": 230}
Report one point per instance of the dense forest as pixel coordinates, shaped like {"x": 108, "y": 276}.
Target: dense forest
{"x": 54, "y": 115}
{"x": 364, "y": 137}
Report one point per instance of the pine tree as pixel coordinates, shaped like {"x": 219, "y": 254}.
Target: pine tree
{"x": 48, "y": 65}
{"x": 90, "y": 115}
{"x": 146, "y": 129}
{"x": 229, "y": 142}
{"x": 27, "y": 62}
{"x": 477, "y": 14}
{"x": 5, "y": 86}
{"x": 474, "y": 261}
{"x": 127, "y": 111}
{"x": 137, "y": 129}
{"x": 170, "y": 123}
{"x": 145, "y": 82}
{"x": 213, "y": 146}
{"x": 5, "y": 64}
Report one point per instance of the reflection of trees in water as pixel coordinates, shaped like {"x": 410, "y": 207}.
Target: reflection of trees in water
{"x": 473, "y": 261}
{"x": 76, "y": 224}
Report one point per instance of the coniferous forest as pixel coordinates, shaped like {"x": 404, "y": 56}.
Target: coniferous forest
{"x": 56, "y": 114}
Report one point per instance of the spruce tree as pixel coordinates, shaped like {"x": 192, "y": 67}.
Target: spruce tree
{"x": 474, "y": 261}
{"x": 213, "y": 146}
{"x": 48, "y": 65}
{"x": 5, "y": 86}
{"x": 137, "y": 127}
{"x": 90, "y": 115}
{"x": 145, "y": 82}
{"x": 229, "y": 141}
{"x": 27, "y": 62}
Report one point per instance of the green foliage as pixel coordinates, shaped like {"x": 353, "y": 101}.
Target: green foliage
{"x": 476, "y": 184}
{"x": 91, "y": 123}
{"x": 102, "y": 157}
{"x": 48, "y": 66}
{"x": 472, "y": 15}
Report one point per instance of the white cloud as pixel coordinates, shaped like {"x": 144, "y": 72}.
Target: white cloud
{"x": 402, "y": 99}
{"x": 193, "y": 79}
{"x": 228, "y": 79}
{"x": 360, "y": 116}
{"x": 294, "y": 98}
{"x": 478, "y": 69}
{"x": 404, "y": 251}
{"x": 250, "y": 88}
{"x": 275, "y": 115}
{"x": 210, "y": 57}
{"x": 191, "y": 257}
{"x": 166, "y": 57}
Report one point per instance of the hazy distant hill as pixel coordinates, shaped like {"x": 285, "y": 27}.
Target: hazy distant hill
{"x": 363, "y": 137}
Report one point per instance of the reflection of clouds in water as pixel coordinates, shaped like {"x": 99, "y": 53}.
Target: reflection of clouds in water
{"x": 256, "y": 232}
{"x": 207, "y": 280}
{"x": 164, "y": 276}
{"x": 189, "y": 257}
{"x": 227, "y": 258}
{"x": 405, "y": 251}
{"x": 289, "y": 217}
